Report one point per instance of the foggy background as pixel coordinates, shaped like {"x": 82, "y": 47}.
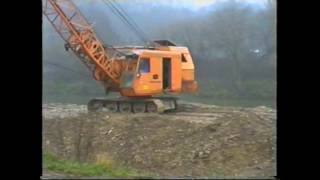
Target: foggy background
{"x": 233, "y": 45}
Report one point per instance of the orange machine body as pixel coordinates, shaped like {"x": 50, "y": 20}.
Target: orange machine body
{"x": 167, "y": 69}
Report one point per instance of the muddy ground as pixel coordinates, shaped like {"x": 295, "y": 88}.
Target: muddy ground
{"x": 196, "y": 141}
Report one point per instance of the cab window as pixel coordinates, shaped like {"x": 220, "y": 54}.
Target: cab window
{"x": 183, "y": 58}
{"x": 144, "y": 65}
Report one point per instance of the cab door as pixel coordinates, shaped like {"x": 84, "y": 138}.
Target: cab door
{"x": 148, "y": 81}
{"x": 166, "y": 73}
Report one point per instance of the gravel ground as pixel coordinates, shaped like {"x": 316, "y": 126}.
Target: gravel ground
{"x": 198, "y": 140}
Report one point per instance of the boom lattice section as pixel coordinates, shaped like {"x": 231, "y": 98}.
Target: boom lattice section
{"x": 80, "y": 37}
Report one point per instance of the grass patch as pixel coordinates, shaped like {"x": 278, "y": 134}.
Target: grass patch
{"x": 55, "y": 164}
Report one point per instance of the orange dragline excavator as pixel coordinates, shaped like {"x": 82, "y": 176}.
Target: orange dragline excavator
{"x": 137, "y": 73}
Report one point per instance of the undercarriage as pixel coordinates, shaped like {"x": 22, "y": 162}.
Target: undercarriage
{"x": 134, "y": 105}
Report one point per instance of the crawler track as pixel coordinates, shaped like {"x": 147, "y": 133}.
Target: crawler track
{"x": 134, "y": 105}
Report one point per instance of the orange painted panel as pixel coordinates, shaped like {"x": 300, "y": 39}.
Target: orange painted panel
{"x": 187, "y": 74}
{"x": 176, "y": 73}
{"x": 146, "y": 84}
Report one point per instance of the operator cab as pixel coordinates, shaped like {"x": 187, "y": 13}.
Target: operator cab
{"x": 156, "y": 72}
{"x": 166, "y": 68}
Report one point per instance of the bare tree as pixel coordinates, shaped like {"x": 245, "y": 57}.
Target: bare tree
{"x": 231, "y": 34}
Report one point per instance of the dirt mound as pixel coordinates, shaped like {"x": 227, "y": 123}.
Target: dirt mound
{"x": 198, "y": 140}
